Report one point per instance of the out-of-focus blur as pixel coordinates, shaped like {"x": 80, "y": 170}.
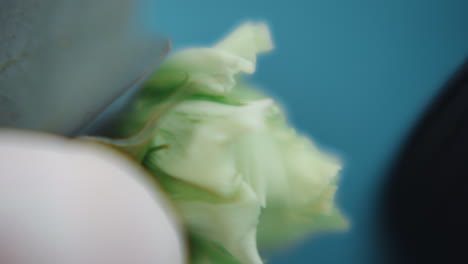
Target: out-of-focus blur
{"x": 355, "y": 75}
{"x": 63, "y": 62}
{"x": 64, "y": 202}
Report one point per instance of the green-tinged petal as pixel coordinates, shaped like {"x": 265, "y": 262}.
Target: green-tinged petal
{"x": 208, "y": 73}
{"x": 228, "y": 222}
{"x": 206, "y": 251}
{"x": 200, "y": 136}
{"x": 214, "y": 70}
{"x": 306, "y": 203}
{"x": 247, "y": 41}
{"x": 295, "y": 204}
{"x": 232, "y": 224}
{"x": 294, "y": 181}
{"x": 176, "y": 188}
{"x": 260, "y": 162}
{"x": 210, "y": 70}
{"x": 307, "y": 167}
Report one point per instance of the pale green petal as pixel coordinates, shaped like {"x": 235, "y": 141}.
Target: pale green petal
{"x": 200, "y": 135}
{"x": 308, "y": 168}
{"x": 309, "y": 204}
{"x": 206, "y": 251}
{"x": 247, "y": 41}
{"x": 260, "y": 162}
{"x": 232, "y": 224}
{"x": 214, "y": 70}
{"x": 210, "y": 70}
{"x": 224, "y": 228}
{"x": 294, "y": 181}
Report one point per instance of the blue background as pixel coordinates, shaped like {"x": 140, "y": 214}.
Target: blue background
{"x": 354, "y": 75}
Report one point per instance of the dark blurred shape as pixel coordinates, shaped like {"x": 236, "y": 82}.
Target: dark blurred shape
{"x": 65, "y": 63}
{"x": 426, "y": 200}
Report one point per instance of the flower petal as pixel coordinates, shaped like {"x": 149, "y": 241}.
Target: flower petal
{"x": 232, "y": 223}
{"x": 305, "y": 202}
{"x": 200, "y": 135}
{"x": 213, "y": 70}
{"x": 247, "y": 41}
{"x": 218, "y": 222}
{"x": 206, "y": 251}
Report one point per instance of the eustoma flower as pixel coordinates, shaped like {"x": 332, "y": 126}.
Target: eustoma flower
{"x": 225, "y": 154}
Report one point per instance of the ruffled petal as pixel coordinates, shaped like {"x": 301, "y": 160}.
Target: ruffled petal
{"x": 200, "y": 136}
{"x": 232, "y": 223}
{"x": 247, "y": 41}
{"x": 214, "y": 70}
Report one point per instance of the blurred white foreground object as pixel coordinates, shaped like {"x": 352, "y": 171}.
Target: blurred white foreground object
{"x": 64, "y": 202}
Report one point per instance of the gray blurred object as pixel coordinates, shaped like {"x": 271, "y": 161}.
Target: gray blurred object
{"x": 67, "y": 65}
